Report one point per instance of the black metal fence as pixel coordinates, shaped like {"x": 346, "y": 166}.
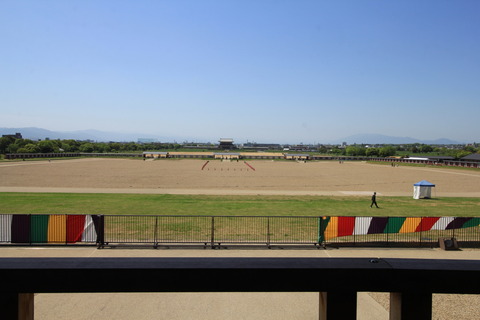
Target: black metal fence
{"x": 211, "y": 230}
{"x": 215, "y": 231}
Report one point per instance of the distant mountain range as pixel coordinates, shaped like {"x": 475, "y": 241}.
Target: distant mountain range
{"x": 94, "y": 135}
{"x": 101, "y": 136}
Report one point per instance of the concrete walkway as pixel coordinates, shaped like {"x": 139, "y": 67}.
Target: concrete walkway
{"x": 234, "y": 306}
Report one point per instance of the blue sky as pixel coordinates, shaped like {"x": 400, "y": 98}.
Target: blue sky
{"x": 265, "y": 71}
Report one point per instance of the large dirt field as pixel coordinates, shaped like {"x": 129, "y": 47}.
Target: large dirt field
{"x": 231, "y": 177}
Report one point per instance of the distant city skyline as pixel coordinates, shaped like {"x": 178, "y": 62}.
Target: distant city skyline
{"x": 265, "y": 71}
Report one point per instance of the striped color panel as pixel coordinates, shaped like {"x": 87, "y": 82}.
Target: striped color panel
{"x": 20, "y": 228}
{"x": 347, "y": 226}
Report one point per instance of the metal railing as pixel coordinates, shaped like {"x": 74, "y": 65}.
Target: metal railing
{"x": 211, "y": 230}
{"x": 215, "y": 231}
{"x": 401, "y": 231}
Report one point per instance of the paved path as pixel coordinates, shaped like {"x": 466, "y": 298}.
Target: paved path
{"x": 234, "y": 306}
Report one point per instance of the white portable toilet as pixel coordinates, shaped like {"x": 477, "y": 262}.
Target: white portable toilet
{"x": 422, "y": 189}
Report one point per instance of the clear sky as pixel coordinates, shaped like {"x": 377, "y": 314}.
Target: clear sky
{"x": 285, "y": 71}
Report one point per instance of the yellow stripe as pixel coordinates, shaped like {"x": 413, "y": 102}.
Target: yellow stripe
{"x": 57, "y": 228}
{"x": 410, "y": 225}
{"x": 332, "y": 229}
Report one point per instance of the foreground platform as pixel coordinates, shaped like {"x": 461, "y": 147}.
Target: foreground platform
{"x": 411, "y": 281}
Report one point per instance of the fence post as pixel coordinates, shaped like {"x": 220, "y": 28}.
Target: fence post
{"x": 101, "y": 231}
{"x": 421, "y": 231}
{"x": 321, "y": 232}
{"x": 66, "y": 229}
{"x": 155, "y": 234}
{"x": 29, "y": 232}
{"x": 319, "y": 238}
{"x": 354, "y": 234}
{"x": 268, "y": 232}
{"x": 213, "y": 233}
{"x": 388, "y": 233}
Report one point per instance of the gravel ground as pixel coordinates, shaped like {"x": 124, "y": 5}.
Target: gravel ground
{"x": 444, "y": 306}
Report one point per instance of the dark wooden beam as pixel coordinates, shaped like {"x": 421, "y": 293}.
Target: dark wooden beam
{"x": 414, "y": 280}
{"x": 243, "y": 274}
{"x": 411, "y": 305}
{"x": 17, "y": 306}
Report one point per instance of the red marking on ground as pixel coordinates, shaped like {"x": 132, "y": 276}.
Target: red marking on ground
{"x": 205, "y": 164}
{"x": 249, "y": 165}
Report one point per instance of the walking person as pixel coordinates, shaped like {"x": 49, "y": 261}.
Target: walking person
{"x": 374, "y": 200}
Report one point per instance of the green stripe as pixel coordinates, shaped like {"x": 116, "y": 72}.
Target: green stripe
{"x": 394, "y": 224}
{"x": 474, "y": 222}
{"x": 39, "y": 228}
{"x": 322, "y": 225}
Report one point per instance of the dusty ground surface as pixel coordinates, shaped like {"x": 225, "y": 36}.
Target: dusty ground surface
{"x": 231, "y": 177}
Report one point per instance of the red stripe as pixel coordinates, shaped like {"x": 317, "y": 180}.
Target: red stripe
{"x": 249, "y": 165}
{"x": 205, "y": 164}
{"x": 346, "y": 226}
{"x": 426, "y": 224}
{"x": 75, "y": 225}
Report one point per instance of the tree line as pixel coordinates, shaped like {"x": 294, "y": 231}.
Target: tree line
{"x": 409, "y": 150}
{"x": 14, "y": 145}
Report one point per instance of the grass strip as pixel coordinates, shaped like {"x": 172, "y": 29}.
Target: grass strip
{"x": 164, "y": 204}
